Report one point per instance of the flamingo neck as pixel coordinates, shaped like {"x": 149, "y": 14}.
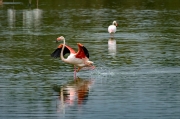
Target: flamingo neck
{"x": 114, "y": 23}
{"x": 62, "y": 57}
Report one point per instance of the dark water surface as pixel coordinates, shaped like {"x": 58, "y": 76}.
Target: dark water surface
{"x": 137, "y": 73}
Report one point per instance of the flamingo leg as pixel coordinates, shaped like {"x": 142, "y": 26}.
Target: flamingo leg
{"x": 112, "y": 35}
{"x": 79, "y": 68}
{"x": 74, "y": 72}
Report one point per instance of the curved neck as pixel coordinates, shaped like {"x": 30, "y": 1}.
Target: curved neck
{"x": 62, "y": 57}
{"x": 114, "y": 23}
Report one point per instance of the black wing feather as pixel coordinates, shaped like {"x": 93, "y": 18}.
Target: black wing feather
{"x": 57, "y": 52}
{"x": 86, "y": 52}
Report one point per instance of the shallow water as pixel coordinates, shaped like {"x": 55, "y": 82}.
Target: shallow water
{"x": 137, "y": 72}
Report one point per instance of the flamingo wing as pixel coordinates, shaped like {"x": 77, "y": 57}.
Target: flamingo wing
{"x": 57, "y": 52}
{"x": 82, "y": 52}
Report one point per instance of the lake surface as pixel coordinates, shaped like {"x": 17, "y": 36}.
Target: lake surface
{"x": 137, "y": 73}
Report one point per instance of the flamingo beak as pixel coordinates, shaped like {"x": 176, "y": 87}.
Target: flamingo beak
{"x": 58, "y": 39}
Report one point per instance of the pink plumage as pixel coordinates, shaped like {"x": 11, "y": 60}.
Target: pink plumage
{"x": 112, "y": 28}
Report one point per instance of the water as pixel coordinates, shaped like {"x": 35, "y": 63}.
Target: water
{"x": 136, "y": 76}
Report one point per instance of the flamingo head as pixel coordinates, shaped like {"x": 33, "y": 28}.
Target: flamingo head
{"x": 115, "y": 23}
{"x": 60, "y": 38}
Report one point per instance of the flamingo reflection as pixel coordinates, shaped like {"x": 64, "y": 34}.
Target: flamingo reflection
{"x": 73, "y": 93}
{"x": 112, "y": 46}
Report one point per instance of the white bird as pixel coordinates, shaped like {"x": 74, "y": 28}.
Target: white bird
{"x": 79, "y": 59}
{"x": 112, "y": 28}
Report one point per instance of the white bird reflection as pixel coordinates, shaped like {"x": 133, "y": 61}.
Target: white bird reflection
{"x": 11, "y": 18}
{"x": 112, "y": 47}
{"x": 32, "y": 17}
{"x": 72, "y": 94}
{"x": 11, "y": 13}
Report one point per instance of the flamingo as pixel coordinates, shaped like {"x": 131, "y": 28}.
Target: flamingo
{"x": 112, "y": 28}
{"x": 79, "y": 59}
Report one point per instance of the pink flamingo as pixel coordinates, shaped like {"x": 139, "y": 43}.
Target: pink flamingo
{"x": 79, "y": 59}
{"x": 112, "y": 28}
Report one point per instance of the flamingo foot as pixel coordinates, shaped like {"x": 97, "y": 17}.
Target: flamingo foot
{"x": 89, "y": 68}
{"x": 92, "y": 68}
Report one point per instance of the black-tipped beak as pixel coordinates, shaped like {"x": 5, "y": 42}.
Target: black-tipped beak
{"x": 56, "y": 41}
